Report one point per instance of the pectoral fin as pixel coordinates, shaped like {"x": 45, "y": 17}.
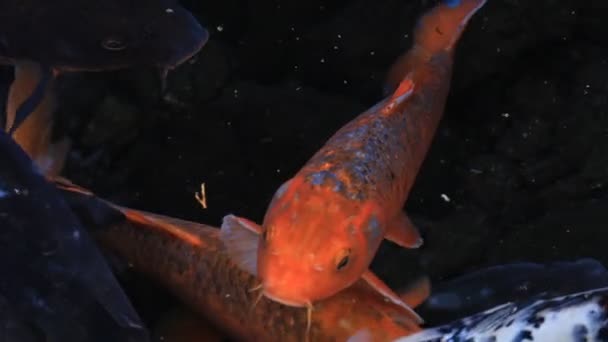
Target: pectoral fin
{"x": 396, "y": 73}
{"x": 403, "y": 232}
{"x": 381, "y": 287}
{"x": 417, "y": 292}
{"x": 241, "y": 238}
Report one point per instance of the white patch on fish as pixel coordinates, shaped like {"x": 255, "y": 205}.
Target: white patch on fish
{"x": 576, "y": 317}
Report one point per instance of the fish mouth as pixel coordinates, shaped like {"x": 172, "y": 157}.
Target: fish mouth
{"x": 284, "y": 301}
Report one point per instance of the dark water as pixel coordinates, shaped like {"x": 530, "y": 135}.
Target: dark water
{"x": 517, "y": 171}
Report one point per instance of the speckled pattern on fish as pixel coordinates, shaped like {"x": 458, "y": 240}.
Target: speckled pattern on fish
{"x": 578, "y": 317}
{"x": 376, "y": 153}
{"x": 323, "y": 227}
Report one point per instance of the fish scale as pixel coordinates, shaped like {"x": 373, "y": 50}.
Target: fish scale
{"x": 576, "y": 317}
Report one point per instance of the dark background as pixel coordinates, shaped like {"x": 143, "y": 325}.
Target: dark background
{"x": 522, "y": 151}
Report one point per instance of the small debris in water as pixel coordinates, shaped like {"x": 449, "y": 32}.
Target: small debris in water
{"x": 202, "y": 197}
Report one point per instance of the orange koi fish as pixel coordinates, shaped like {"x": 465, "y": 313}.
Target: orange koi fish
{"x": 324, "y": 225}
{"x": 190, "y": 260}
{"x": 183, "y": 325}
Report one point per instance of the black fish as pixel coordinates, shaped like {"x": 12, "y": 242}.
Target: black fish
{"x": 54, "y": 283}
{"x": 67, "y": 35}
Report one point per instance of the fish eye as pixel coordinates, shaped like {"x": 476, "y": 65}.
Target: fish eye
{"x": 343, "y": 259}
{"x": 113, "y": 44}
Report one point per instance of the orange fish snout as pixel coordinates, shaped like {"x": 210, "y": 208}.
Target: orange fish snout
{"x": 291, "y": 283}
{"x": 300, "y": 280}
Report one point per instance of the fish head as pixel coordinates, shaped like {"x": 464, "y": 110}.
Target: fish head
{"x": 101, "y": 35}
{"x": 311, "y": 246}
{"x": 123, "y": 33}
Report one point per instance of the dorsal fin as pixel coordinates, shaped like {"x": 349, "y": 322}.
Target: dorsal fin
{"x": 404, "y": 90}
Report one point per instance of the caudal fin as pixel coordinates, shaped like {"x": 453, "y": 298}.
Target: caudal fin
{"x": 437, "y": 31}
{"x": 440, "y": 29}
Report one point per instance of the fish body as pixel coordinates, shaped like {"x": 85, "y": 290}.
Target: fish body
{"x": 324, "y": 225}
{"x": 514, "y": 282}
{"x": 553, "y": 302}
{"x": 182, "y": 325}
{"x": 581, "y": 316}
{"x": 191, "y": 261}
{"x": 55, "y": 284}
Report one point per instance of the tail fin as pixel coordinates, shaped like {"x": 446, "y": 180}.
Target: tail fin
{"x": 437, "y": 31}
{"x": 440, "y": 29}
